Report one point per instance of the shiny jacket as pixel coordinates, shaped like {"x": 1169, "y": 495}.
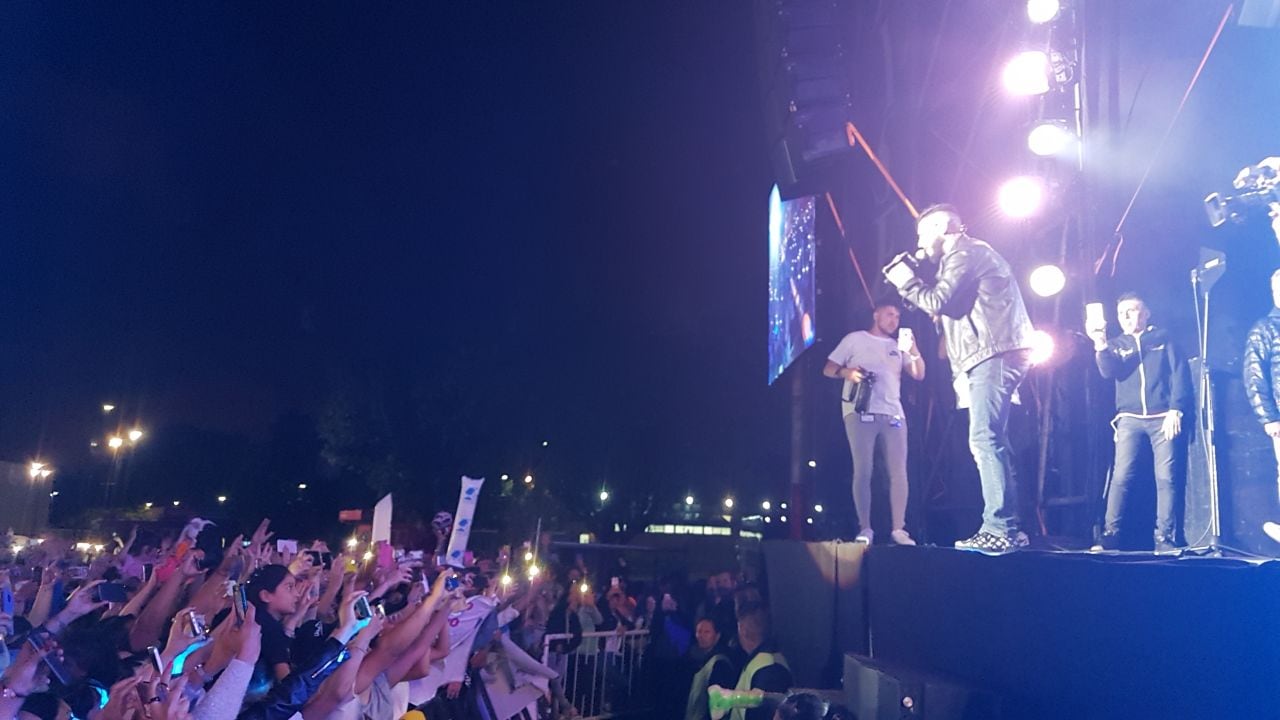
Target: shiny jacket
{"x": 1261, "y": 374}
{"x": 1151, "y": 375}
{"x": 978, "y": 300}
{"x": 290, "y": 694}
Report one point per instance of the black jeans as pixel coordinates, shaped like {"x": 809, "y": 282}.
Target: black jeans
{"x": 1131, "y": 432}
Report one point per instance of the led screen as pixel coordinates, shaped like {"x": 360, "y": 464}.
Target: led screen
{"x": 791, "y": 280}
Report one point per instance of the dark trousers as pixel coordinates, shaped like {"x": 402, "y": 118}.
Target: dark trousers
{"x": 1131, "y": 434}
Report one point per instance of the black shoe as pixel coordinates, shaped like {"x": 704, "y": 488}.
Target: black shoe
{"x": 992, "y": 544}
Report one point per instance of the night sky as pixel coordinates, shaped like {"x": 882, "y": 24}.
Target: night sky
{"x": 554, "y": 210}
{"x": 539, "y": 221}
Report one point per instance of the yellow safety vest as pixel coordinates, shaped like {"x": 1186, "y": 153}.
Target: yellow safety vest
{"x": 757, "y": 663}
{"x": 698, "y": 706}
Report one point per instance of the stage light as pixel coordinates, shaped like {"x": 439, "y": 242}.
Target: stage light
{"x": 813, "y": 463}
{"x": 584, "y": 588}
{"x": 604, "y": 495}
{"x": 505, "y": 476}
{"x": 302, "y": 486}
{"x": 728, "y": 503}
{"x": 783, "y": 518}
{"x": 528, "y": 556}
{"x": 35, "y": 468}
{"x": 783, "y": 506}
{"x": 135, "y": 435}
{"x": 147, "y": 505}
{"x": 176, "y": 503}
{"x": 817, "y": 508}
{"x": 53, "y": 494}
{"x": 1047, "y": 280}
{"x": 688, "y": 499}
{"x": 1043, "y": 11}
{"x": 1021, "y": 197}
{"x": 528, "y": 479}
{"x": 766, "y": 506}
{"x": 222, "y": 498}
{"x": 114, "y": 442}
{"x": 1042, "y": 346}
{"x": 1049, "y": 138}
{"x": 1028, "y": 73}
{"x": 809, "y": 520}
{"x": 108, "y": 408}
{"x": 768, "y": 519}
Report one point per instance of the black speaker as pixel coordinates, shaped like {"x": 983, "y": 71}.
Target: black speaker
{"x": 805, "y": 80}
{"x": 877, "y": 691}
{"x": 1247, "y": 488}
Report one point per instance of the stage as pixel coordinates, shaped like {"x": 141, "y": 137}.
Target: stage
{"x": 1051, "y": 634}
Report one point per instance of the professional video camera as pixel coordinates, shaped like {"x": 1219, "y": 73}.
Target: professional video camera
{"x": 1258, "y": 186}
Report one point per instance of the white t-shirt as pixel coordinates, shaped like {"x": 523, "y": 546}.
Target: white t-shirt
{"x": 882, "y": 357}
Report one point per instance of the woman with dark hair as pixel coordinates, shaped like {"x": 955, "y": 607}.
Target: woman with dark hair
{"x": 273, "y": 591}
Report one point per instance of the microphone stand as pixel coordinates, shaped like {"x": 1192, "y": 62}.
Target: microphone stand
{"x": 1207, "y": 425}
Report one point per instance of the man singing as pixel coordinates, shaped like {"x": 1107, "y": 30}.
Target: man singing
{"x": 874, "y": 356}
{"x": 988, "y": 339}
{"x": 1152, "y": 392}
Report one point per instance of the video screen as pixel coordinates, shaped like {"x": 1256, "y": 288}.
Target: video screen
{"x": 792, "y": 291}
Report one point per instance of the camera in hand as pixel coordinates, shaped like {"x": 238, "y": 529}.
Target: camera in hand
{"x": 860, "y": 392}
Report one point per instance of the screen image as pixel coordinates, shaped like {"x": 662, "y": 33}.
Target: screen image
{"x": 792, "y": 291}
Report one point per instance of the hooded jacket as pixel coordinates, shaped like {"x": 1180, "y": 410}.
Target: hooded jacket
{"x": 1151, "y": 375}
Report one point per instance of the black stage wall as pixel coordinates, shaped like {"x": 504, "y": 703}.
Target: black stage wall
{"x": 1081, "y": 636}
{"x": 817, "y": 603}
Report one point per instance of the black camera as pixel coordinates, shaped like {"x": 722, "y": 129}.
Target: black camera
{"x": 1257, "y": 187}
{"x": 860, "y": 392}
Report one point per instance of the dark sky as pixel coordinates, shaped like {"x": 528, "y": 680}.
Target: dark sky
{"x": 557, "y": 208}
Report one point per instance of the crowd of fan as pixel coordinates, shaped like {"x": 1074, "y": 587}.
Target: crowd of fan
{"x": 179, "y": 629}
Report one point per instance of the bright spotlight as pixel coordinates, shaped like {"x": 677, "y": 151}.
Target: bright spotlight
{"x": 222, "y": 498}
{"x": 35, "y": 469}
{"x": 817, "y": 508}
{"x": 766, "y": 505}
{"x": 1021, "y": 197}
{"x": 1047, "y": 280}
{"x": 728, "y": 502}
{"x": 1049, "y": 138}
{"x": 1041, "y": 347}
{"x": 135, "y": 435}
{"x": 114, "y": 442}
{"x": 1028, "y": 73}
{"x": 604, "y": 495}
{"x": 528, "y": 479}
{"x": 813, "y": 463}
{"x": 1043, "y": 11}
{"x": 352, "y": 542}
{"x": 688, "y": 499}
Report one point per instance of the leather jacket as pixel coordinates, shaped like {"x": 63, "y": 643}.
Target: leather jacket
{"x": 290, "y": 694}
{"x": 1262, "y": 367}
{"x": 978, "y": 300}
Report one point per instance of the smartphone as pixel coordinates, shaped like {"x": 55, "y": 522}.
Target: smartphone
{"x": 39, "y": 639}
{"x": 240, "y": 599}
{"x": 147, "y": 570}
{"x": 78, "y": 572}
{"x": 452, "y": 583}
{"x": 289, "y": 546}
{"x": 162, "y": 691}
{"x": 316, "y": 559}
{"x": 363, "y": 610}
{"x": 6, "y": 601}
{"x": 110, "y": 592}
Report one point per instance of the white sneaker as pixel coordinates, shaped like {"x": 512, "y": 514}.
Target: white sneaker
{"x": 865, "y": 537}
{"x": 900, "y": 537}
{"x": 1272, "y": 530}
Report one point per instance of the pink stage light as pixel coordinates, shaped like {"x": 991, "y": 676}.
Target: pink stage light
{"x": 1042, "y": 347}
{"x": 1021, "y": 197}
{"x": 1028, "y": 73}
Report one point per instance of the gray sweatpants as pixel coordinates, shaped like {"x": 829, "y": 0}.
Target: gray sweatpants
{"x": 863, "y": 431}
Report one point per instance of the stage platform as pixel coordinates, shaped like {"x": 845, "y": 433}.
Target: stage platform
{"x": 1053, "y": 634}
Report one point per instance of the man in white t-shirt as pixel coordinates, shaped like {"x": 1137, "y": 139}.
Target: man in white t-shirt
{"x": 874, "y": 359}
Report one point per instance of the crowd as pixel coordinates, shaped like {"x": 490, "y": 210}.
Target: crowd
{"x": 190, "y": 627}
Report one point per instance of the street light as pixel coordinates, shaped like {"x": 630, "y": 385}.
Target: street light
{"x": 135, "y": 435}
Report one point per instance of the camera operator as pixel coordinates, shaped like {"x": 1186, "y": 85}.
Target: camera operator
{"x": 1261, "y": 381}
{"x": 988, "y": 338}
{"x": 870, "y": 362}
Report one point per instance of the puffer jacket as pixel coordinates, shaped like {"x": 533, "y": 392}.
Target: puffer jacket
{"x": 290, "y": 694}
{"x": 1262, "y": 367}
{"x": 979, "y": 302}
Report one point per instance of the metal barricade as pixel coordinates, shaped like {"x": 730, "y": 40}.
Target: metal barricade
{"x": 602, "y": 675}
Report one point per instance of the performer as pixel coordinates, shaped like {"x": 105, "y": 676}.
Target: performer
{"x": 874, "y": 357}
{"x": 988, "y": 339}
{"x": 1153, "y": 389}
